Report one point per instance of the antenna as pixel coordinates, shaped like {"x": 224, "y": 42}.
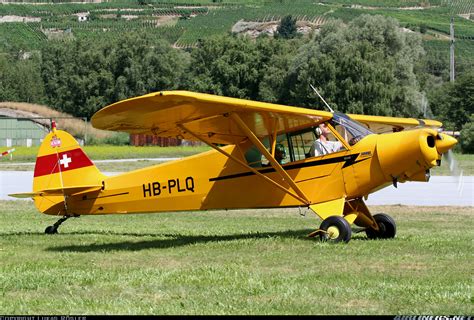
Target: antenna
{"x": 330, "y": 109}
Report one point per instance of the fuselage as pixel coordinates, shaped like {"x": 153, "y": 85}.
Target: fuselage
{"x": 212, "y": 180}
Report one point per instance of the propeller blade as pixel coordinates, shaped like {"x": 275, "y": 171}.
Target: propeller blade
{"x": 456, "y": 173}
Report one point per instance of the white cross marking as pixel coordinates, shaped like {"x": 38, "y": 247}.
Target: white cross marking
{"x": 65, "y": 161}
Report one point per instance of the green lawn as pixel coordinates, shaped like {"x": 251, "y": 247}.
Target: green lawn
{"x": 233, "y": 262}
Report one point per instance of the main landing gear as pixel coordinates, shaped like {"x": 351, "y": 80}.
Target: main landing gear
{"x": 337, "y": 228}
{"x": 54, "y": 228}
{"x": 387, "y": 227}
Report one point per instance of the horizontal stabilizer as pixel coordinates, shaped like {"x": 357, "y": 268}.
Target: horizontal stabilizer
{"x": 24, "y": 195}
{"x": 57, "y": 191}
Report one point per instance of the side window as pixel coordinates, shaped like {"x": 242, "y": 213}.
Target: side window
{"x": 301, "y": 144}
{"x": 256, "y": 159}
{"x": 253, "y": 157}
{"x": 282, "y": 151}
{"x": 326, "y": 142}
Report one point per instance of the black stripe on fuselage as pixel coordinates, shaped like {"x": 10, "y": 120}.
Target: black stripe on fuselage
{"x": 349, "y": 160}
{"x": 110, "y": 195}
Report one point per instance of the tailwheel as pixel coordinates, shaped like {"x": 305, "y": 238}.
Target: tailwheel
{"x": 387, "y": 227}
{"x": 51, "y": 230}
{"x": 335, "y": 229}
{"x": 54, "y": 228}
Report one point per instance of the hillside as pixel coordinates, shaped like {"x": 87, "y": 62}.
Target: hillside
{"x": 31, "y": 24}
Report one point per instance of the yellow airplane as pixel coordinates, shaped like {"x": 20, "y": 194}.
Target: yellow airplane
{"x": 265, "y": 156}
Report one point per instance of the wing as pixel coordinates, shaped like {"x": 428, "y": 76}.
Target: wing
{"x": 163, "y": 113}
{"x": 379, "y": 124}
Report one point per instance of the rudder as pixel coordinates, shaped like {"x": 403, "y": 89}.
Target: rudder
{"x": 61, "y": 163}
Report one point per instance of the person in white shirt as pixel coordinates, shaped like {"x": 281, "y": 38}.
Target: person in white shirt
{"x": 323, "y": 145}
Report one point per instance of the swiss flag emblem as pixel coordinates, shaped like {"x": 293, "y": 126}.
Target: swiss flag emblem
{"x": 61, "y": 162}
{"x": 65, "y": 161}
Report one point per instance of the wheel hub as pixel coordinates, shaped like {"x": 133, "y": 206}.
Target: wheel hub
{"x": 333, "y": 232}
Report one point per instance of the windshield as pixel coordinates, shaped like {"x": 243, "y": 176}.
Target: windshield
{"x": 351, "y": 130}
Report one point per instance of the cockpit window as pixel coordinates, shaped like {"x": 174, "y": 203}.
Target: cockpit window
{"x": 307, "y": 143}
{"x": 351, "y": 130}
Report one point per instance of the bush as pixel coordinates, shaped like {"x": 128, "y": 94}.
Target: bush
{"x": 423, "y": 28}
{"x": 287, "y": 28}
{"x": 467, "y": 136}
{"x": 116, "y": 139}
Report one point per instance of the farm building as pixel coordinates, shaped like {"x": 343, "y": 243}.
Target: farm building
{"x": 21, "y": 132}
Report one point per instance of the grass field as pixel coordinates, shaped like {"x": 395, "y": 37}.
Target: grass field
{"x": 233, "y": 262}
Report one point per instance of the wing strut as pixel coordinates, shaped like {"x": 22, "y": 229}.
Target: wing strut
{"x": 269, "y": 157}
{"x": 246, "y": 166}
{"x": 274, "y": 137}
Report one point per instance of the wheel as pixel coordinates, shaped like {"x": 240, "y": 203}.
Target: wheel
{"x": 336, "y": 229}
{"x": 51, "y": 230}
{"x": 387, "y": 227}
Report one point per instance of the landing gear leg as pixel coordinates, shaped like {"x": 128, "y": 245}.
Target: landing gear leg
{"x": 54, "y": 228}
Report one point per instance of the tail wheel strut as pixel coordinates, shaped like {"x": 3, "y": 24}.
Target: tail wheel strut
{"x": 54, "y": 228}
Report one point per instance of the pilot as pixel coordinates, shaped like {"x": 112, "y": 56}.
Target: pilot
{"x": 280, "y": 153}
{"x": 323, "y": 145}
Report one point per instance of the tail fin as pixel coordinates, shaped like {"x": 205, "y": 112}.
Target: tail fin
{"x": 62, "y": 168}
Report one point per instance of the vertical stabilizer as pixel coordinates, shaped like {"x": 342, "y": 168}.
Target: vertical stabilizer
{"x": 61, "y": 163}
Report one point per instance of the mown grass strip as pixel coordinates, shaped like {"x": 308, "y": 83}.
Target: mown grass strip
{"x": 232, "y": 262}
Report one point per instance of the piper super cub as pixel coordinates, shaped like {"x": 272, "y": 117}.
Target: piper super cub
{"x": 264, "y": 156}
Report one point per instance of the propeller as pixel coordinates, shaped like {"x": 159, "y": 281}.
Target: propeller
{"x": 456, "y": 173}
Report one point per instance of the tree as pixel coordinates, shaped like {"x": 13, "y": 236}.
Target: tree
{"x": 287, "y": 28}
{"x": 467, "y": 136}
{"x": 453, "y": 103}
{"x": 365, "y": 66}
{"x": 81, "y": 76}
{"x": 20, "y": 79}
{"x": 239, "y": 67}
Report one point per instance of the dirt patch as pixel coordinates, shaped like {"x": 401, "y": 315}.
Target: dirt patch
{"x": 467, "y": 16}
{"x": 57, "y": 34}
{"x": 108, "y": 16}
{"x": 406, "y": 30}
{"x": 436, "y": 36}
{"x": 415, "y": 8}
{"x": 6, "y": 19}
{"x": 358, "y": 6}
{"x": 123, "y": 9}
{"x": 169, "y": 20}
{"x": 129, "y": 16}
{"x": 254, "y": 28}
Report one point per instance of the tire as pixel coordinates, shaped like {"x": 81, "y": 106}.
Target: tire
{"x": 335, "y": 229}
{"x": 51, "y": 230}
{"x": 387, "y": 227}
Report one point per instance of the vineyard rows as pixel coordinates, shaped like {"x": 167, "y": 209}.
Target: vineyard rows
{"x": 203, "y": 18}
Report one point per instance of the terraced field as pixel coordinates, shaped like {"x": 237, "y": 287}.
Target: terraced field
{"x": 183, "y": 23}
